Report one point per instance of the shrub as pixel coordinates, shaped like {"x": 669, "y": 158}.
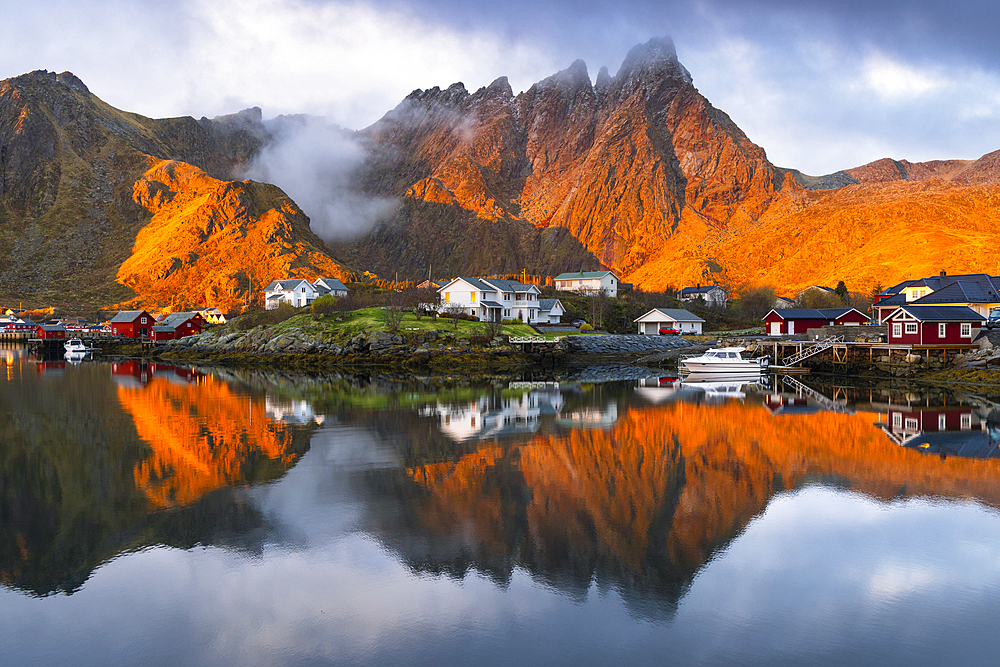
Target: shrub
{"x": 268, "y": 318}
{"x": 481, "y": 341}
{"x": 586, "y": 327}
{"x": 325, "y": 305}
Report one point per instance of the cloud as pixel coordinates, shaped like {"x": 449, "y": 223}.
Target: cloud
{"x": 894, "y": 80}
{"x": 316, "y": 163}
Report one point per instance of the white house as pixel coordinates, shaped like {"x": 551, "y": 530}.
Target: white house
{"x": 712, "y": 295}
{"x": 670, "y": 318}
{"x": 550, "y": 311}
{"x": 588, "y": 282}
{"x": 491, "y": 299}
{"x": 330, "y": 286}
{"x": 295, "y": 291}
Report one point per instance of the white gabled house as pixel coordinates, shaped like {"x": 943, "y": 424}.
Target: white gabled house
{"x": 712, "y": 295}
{"x": 296, "y": 291}
{"x": 330, "y": 286}
{"x": 550, "y": 311}
{"x": 588, "y": 282}
{"x": 491, "y": 299}
{"x": 669, "y": 318}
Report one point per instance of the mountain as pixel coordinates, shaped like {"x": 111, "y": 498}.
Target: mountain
{"x": 654, "y": 182}
{"x": 79, "y": 188}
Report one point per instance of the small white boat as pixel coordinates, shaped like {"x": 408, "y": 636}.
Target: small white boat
{"x": 725, "y": 360}
{"x": 77, "y": 346}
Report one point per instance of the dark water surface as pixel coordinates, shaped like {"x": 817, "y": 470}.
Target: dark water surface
{"x": 161, "y": 515}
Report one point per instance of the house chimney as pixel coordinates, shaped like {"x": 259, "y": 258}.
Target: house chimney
{"x": 943, "y": 273}
{"x": 699, "y": 286}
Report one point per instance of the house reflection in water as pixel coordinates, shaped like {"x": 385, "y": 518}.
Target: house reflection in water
{"x": 948, "y": 431}
{"x": 495, "y": 415}
{"x": 290, "y": 411}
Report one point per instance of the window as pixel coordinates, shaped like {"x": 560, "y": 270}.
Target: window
{"x": 966, "y": 330}
{"x": 911, "y": 327}
{"x": 447, "y": 297}
{"x": 897, "y": 419}
{"x": 942, "y": 422}
{"x": 142, "y": 320}
{"x": 897, "y": 330}
{"x": 506, "y": 296}
{"x": 912, "y": 424}
{"x": 473, "y": 294}
{"x": 942, "y": 328}
{"x": 966, "y": 421}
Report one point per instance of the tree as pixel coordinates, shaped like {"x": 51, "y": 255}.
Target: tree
{"x": 454, "y": 310}
{"x": 598, "y": 302}
{"x": 815, "y": 298}
{"x": 757, "y": 302}
{"x": 841, "y": 291}
{"x": 393, "y": 310}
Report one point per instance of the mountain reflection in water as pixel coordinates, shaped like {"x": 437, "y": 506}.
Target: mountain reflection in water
{"x": 90, "y": 456}
{"x": 642, "y": 504}
{"x": 632, "y": 486}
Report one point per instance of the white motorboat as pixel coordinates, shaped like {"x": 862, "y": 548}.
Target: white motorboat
{"x": 77, "y": 346}
{"x": 725, "y": 360}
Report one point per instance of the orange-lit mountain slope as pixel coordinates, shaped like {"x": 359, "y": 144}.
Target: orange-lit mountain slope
{"x": 657, "y": 184}
{"x": 209, "y": 240}
{"x": 70, "y": 217}
{"x": 204, "y": 437}
{"x": 650, "y": 499}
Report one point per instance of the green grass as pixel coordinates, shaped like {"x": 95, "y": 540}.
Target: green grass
{"x": 372, "y": 319}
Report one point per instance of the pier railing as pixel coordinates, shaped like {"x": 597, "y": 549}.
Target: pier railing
{"x": 819, "y": 346}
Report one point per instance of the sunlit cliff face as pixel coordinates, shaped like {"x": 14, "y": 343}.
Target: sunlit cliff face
{"x": 203, "y": 437}
{"x": 649, "y": 500}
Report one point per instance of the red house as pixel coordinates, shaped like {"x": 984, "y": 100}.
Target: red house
{"x": 50, "y": 331}
{"x": 934, "y": 325}
{"x": 132, "y": 324}
{"x": 178, "y": 325}
{"x": 781, "y": 321}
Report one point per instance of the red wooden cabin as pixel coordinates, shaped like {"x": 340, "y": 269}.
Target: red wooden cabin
{"x": 934, "y": 325}
{"x": 785, "y": 321}
{"x": 132, "y": 324}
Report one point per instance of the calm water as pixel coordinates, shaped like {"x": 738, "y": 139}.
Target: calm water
{"x": 161, "y": 515}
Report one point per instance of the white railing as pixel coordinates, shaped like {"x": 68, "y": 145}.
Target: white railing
{"x": 533, "y": 339}
{"x": 820, "y": 346}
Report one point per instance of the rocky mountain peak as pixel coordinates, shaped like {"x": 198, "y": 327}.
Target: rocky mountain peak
{"x": 656, "y": 58}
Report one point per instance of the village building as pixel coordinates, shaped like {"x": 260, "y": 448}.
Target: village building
{"x": 791, "y": 321}
{"x": 783, "y": 302}
{"x": 978, "y": 291}
{"x": 211, "y": 315}
{"x": 823, "y": 289}
{"x": 588, "y": 282}
{"x": 491, "y": 299}
{"x": 711, "y": 295}
{"x": 177, "y": 325}
{"x": 550, "y": 311}
{"x": 669, "y": 318}
{"x": 433, "y": 284}
{"x": 297, "y": 292}
{"x": 330, "y": 287}
{"x": 132, "y": 324}
{"x": 50, "y": 331}
{"x": 934, "y": 325}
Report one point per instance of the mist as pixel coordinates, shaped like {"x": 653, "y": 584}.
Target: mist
{"x": 316, "y": 163}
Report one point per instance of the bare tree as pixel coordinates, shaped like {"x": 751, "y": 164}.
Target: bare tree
{"x": 598, "y": 303}
{"x": 393, "y": 310}
{"x": 454, "y": 310}
{"x": 757, "y": 302}
{"x": 493, "y": 328}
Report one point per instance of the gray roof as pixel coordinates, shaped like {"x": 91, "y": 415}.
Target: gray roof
{"x": 330, "y": 283}
{"x": 674, "y": 314}
{"x": 943, "y": 313}
{"x": 962, "y": 291}
{"x": 162, "y": 328}
{"x": 176, "y": 319}
{"x": 289, "y": 284}
{"x": 491, "y": 304}
{"x": 549, "y": 304}
{"x": 507, "y": 285}
{"x": 582, "y": 275}
{"x": 127, "y": 315}
{"x": 812, "y": 313}
{"x": 700, "y": 289}
{"x": 52, "y": 327}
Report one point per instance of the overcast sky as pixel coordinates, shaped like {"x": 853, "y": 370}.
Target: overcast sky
{"x": 822, "y": 85}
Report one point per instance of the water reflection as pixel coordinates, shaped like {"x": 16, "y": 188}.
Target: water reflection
{"x": 91, "y": 453}
{"x": 593, "y": 491}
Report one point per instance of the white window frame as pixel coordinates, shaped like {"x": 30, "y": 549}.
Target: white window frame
{"x": 942, "y": 422}
{"x": 897, "y": 420}
{"x": 897, "y": 330}
{"x": 911, "y": 424}
{"x": 942, "y": 330}
{"x": 966, "y": 329}
{"x": 912, "y": 328}
{"x": 966, "y": 421}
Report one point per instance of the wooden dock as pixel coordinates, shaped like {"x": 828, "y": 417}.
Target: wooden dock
{"x": 848, "y": 357}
